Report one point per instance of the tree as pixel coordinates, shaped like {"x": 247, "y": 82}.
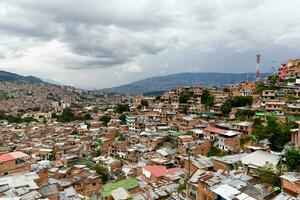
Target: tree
{"x": 67, "y": 116}
{"x": 217, "y": 152}
{"x": 241, "y": 101}
{"x": 237, "y": 101}
{"x": 226, "y": 107}
{"x": 158, "y": 98}
{"x": 268, "y": 174}
{"x": 226, "y": 89}
{"x": 29, "y": 119}
{"x": 53, "y": 115}
{"x": 87, "y": 116}
{"x": 259, "y": 132}
{"x": 105, "y": 119}
{"x": 101, "y": 171}
{"x": 181, "y": 187}
{"x": 120, "y": 137}
{"x": 184, "y": 97}
{"x": 207, "y": 99}
{"x": 260, "y": 87}
{"x": 122, "y": 108}
{"x": 245, "y": 113}
{"x": 292, "y": 157}
{"x": 144, "y": 103}
{"x": 277, "y": 133}
{"x": 123, "y": 118}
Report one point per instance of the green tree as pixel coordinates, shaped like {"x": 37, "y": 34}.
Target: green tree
{"x": 207, "y": 99}
{"x": 277, "y": 133}
{"x": 123, "y": 118}
{"x": 3, "y": 95}
{"x": 67, "y": 116}
{"x": 268, "y": 174}
{"x": 101, "y": 171}
{"x": 120, "y": 137}
{"x": 144, "y": 103}
{"x": 226, "y": 107}
{"x": 217, "y": 152}
{"x": 260, "y": 87}
{"x": 29, "y": 119}
{"x": 240, "y": 101}
{"x": 226, "y": 89}
{"x": 122, "y": 108}
{"x": 13, "y": 119}
{"x": 181, "y": 187}
{"x": 87, "y": 116}
{"x": 184, "y": 97}
{"x": 105, "y": 119}
{"x": 292, "y": 157}
{"x": 158, "y": 98}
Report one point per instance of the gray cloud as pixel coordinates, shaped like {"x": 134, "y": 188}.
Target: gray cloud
{"x": 132, "y": 39}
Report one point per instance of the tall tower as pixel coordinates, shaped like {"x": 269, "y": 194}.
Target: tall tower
{"x": 257, "y": 66}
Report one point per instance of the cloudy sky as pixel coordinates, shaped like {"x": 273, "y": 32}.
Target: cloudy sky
{"x": 104, "y": 43}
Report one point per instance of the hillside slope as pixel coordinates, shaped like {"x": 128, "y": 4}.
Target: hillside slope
{"x": 8, "y": 76}
{"x": 161, "y": 83}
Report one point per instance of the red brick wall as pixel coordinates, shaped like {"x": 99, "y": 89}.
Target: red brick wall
{"x": 291, "y": 188}
{"x": 10, "y": 167}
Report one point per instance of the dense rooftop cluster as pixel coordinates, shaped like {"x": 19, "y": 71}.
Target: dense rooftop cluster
{"x": 239, "y": 142}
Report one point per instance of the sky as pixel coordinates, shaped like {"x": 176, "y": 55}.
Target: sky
{"x": 100, "y": 43}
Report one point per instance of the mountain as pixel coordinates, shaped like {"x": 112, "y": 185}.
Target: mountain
{"x": 53, "y": 82}
{"x": 162, "y": 83}
{"x": 8, "y": 76}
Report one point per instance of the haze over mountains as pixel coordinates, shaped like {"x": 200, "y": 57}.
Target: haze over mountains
{"x": 153, "y": 84}
{"x": 161, "y": 83}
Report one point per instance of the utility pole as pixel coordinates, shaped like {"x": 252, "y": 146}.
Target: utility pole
{"x": 189, "y": 161}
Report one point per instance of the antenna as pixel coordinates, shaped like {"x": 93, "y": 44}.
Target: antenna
{"x": 257, "y": 66}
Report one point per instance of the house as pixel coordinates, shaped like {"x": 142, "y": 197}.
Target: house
{"x": 245, "y": 127}
{"x": 195, "y": 163}
{"x": 14, "y": 162}
{"x": 293, "y": 107}
{"x": 130, "y": 185}
{"x": 258, "y": 159}
{"x": 227, "y": 140}
{"x": 290, "y": 182}
{"x": 20, "y": 186}
{"x": 232, "y": 185}
{"x": 227, "y": 163}
{"x": 154, "y": 173}
{"x": 276, "y": 107}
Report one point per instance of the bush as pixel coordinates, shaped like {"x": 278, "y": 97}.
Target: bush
{"x": 207, "y": 99}
{"x": 292, "y": 157}
{"x": 123, "y": 119}
{"x": 144, "y": 103}
{"x": 217, "y": 152}
{"x": 184, "y": 97}
{"x": 101, "y": 171}
{"x": 66, "y": 116}
{"x": 269, "y": 174}
{"x": 105, "y": 119}
{"x": 122, "y": 108}
{"x": 277, "y": 133}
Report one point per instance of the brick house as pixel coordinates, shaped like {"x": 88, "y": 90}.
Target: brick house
{"x": 291, "y": 183}
{"x": 13, "y": 162}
